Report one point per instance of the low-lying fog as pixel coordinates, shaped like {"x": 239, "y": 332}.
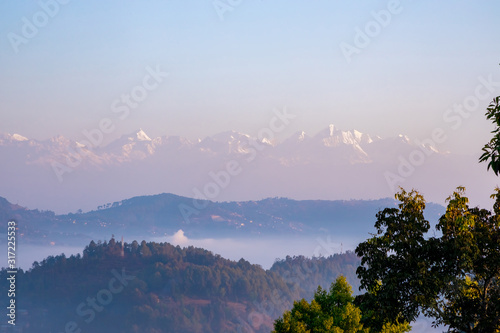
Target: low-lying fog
{"x": 262, "y": 251}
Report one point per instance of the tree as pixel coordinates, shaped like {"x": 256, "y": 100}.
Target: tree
{"x": 144, "y": 249}
{"x": 90, "y": 250}
{"x": 328, "y": 312}
{"x": 393, "y": 263}
{"x": 492, "y": 149}
{"x": 454, "y": 278}
{"x": 332, "y": 312}
{"x": 470, "y": 249}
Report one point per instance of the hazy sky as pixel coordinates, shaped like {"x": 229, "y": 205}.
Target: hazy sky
{"x": 64, "y": 67}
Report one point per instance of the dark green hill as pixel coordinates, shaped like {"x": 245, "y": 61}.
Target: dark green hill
{"x": 306, "y": 274}
{"x": 157, "y": 287}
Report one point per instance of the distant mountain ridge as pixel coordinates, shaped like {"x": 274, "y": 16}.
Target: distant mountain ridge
{"x": 165, "y": 214}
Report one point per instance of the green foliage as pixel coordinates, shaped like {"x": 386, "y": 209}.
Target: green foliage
{"x": 331, "y": 311}
{"x": 492, "y": 149}
{"x": 453, "y": 278}
{"x": 395, "y": 327}
{"x": 470, "y": 250}
{"x": 394, "y": 262}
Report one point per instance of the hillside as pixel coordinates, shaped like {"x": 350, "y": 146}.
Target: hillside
{"x": 156, "y": 287}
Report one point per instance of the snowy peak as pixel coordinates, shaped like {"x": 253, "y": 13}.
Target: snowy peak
{"x": 18, "y": 137}
{"x": 227, "y": 142}
{"x": 332, "y": 137}
{"x": 362, "y": 137}
{"x": 142, "y": 136}
{"x": 12, "y": 137}
{"x": 138, "y": 136}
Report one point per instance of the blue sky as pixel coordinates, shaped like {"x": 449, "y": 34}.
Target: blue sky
{"x": 231, "y": 73}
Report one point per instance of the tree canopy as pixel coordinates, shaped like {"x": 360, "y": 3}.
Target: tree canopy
{"x": 333, "y": 311}
{"x": 453, "y": 278}
{"x": 491, "y": 151}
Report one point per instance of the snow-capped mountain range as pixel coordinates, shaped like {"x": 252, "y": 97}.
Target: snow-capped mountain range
{"x": 350, "y": 147}
{"x": 63, "y": 175}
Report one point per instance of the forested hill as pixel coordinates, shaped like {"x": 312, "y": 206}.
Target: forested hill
{"x": 158, "y": 287}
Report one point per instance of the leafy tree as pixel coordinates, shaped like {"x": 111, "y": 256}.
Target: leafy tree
{"x": 492, "y": 149}
{"x": 332, "y": 312}
{"x": 328, "y": 312}
{"x": 470, "y": 250}
{"x": 453, "y": 278}
{"x": 393, "y": 264}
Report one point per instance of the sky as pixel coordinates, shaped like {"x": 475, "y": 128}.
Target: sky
{"x": 381, "y": 67}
